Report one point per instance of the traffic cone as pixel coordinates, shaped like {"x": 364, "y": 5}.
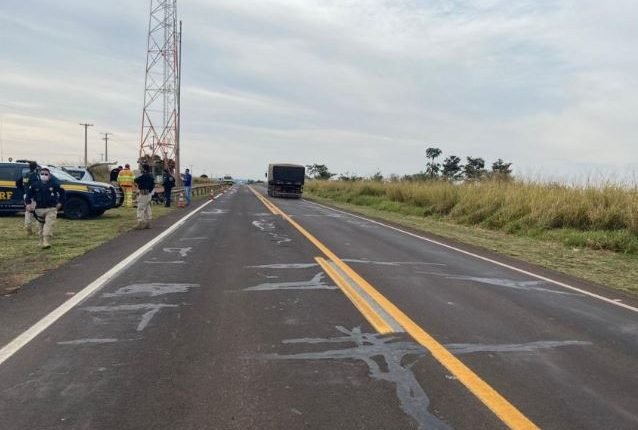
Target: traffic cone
{"x": 180, "y": 201}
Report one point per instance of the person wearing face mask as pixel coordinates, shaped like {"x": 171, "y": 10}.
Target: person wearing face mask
{"x": 44, "y": 198}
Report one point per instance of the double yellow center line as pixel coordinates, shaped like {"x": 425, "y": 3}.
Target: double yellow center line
{"x": 383, "y": 322}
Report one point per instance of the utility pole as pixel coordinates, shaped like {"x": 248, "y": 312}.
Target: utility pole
{"x": 86, "y": 127}
{"x": 106, "y": 145}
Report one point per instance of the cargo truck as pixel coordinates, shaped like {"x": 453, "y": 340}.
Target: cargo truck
{"x": 286, "y": 180}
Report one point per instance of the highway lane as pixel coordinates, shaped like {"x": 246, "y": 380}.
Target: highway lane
{"x": 230, "y": 323}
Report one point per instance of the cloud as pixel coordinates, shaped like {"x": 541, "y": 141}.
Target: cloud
{"x": 358, "y": 85}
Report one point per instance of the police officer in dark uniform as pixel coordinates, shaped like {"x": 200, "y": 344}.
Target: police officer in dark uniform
{"x": 113, "y": 174}
{"x": 146, "y": 186}
{"x": 31, "y": 177}
{"x": 168, "y": 182}
{"x": 44, "y": 198}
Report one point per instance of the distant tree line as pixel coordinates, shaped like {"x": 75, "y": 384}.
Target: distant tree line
{"x": 451, "y": 170}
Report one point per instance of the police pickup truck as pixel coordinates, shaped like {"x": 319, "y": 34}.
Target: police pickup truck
{"x": 82, "y": 199}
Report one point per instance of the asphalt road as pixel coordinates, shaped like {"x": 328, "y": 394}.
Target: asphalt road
{"x": 229, "y": 321}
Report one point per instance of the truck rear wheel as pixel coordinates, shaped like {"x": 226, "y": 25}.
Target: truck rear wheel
{"x": 76, "y": 208}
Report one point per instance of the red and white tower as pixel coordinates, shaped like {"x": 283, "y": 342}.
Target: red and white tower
{"x": 161, "y": 114}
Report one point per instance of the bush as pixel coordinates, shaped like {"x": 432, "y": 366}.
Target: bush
{"x": 604, "y": 217}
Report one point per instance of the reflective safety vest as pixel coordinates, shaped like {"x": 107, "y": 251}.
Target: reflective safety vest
{"x": 125, "y": 178}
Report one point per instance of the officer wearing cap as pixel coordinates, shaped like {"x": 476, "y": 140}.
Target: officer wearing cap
{"x": 43, "y": 199}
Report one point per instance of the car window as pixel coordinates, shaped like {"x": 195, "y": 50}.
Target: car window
{"x": 77, "y": 174}
{"x": 7, "y": 173}
{"x": 61, "y": 174}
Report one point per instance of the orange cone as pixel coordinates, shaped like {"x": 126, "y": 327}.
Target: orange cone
{"x": 180, "y": 201}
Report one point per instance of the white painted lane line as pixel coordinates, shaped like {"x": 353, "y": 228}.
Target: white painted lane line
{"x": 489, "y": 260}
{"x": 23, "y": 339}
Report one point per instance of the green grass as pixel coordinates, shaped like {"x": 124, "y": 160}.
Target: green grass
{"x": 22, "y": 260}
{"x": 525, "y": 221}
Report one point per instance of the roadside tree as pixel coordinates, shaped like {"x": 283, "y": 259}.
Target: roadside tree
{"x": 319, "y": 171}
{"x": 432, "y": 168}
{"x": 501, "y": 170}
{"x": 474, "y": 169}
{"x": 377, "y": 177}
{"x": 452, "y": 170}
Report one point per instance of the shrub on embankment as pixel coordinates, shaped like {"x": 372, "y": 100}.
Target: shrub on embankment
{"x": 604, "y": 217}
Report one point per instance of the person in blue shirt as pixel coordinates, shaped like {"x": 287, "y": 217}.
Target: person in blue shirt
{"x": 187, "y": 179}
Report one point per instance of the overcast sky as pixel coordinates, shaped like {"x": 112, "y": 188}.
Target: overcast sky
{"x": 359, "y": 85}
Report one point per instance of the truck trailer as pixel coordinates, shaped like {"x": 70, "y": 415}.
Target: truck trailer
{"x": 286, "y": 180}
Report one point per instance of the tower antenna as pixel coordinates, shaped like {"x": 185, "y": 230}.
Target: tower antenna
{"x": 160, "y": 116}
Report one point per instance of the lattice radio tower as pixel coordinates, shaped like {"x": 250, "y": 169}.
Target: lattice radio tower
{"x": 161, "y": 114}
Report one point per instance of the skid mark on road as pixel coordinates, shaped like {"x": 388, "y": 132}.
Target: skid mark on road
{"x": 85, "y": 341}
{"x": 269, "y": 227}
{"x": 164, "y": 262}
{"x": 316, "y": 283}
{"x": 151, "y": 310}
{"x": 393, "y": 351}
{"x": 183, "y": 252}
{"x": 152, "y": 290}
{"x": 264, "y": 225}
{"x": 469, "y": 348}
{"x": 113, "y": 315}
{"x": 390, "y": 263}
{"x": 284, "y": 266}
{"x": 412, "y": 398}
{"x": 214, "y": 211}
{"x": 511, "y": 283}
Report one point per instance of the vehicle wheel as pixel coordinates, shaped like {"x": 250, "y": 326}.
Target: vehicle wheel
{"x": 76, "y": 208}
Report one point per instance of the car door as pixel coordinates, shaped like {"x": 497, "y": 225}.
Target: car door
{"x": 11, "y": 193}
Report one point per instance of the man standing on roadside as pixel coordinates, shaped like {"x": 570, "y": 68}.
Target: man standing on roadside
{"x": 30, "y": 178}
{"x": 145, "y": 185}
{"x": 44, "y": 199}
{"x": 188, "y": 179}
{"x": 125, "y": 180}
{"x": 168, "y": 182}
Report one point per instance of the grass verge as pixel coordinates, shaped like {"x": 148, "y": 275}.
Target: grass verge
{"x": 22, "y": 260}
{"x": 547, "y": 249}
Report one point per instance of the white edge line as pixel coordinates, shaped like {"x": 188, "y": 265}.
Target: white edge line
{"x": 480, "y": 257}
{"x": 27, "y": 336}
